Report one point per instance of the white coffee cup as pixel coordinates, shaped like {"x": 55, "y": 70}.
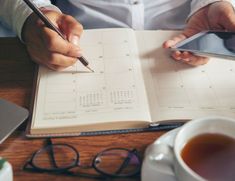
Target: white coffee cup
{"x": 169, "y": 158}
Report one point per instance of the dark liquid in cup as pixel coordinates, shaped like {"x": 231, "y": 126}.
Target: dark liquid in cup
{"x": 211, "y": 156}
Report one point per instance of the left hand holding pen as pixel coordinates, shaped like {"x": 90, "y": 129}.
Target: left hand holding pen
{"x": 216, "y": 16}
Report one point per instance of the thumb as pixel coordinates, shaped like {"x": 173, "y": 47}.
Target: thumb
{"x": 178, "y": 38}
{"x": 229, "y": 23}
{"x": 222, "y": 15}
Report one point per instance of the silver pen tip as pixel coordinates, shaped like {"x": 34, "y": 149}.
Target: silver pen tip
{"x": 90, "y": 69}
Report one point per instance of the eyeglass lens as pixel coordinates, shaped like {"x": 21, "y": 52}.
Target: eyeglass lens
{"x": 119, "y": 162}
{"x": 64, "y": 157}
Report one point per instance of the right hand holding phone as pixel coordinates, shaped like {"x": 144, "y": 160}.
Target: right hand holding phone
{"x": 216, "y": 16}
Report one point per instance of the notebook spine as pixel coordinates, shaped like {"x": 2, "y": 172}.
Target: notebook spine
{"x": 108, "y": 132}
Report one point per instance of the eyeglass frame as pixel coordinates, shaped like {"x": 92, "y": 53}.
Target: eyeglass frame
{"x": 75, "y": 163}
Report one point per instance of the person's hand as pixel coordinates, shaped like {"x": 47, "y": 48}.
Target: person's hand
{"x": 215, "y": 16}
{"x": 46, "y": 47}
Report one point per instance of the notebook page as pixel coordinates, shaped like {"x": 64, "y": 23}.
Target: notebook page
{"x": 179, "y": 91}
{"x": 115, "y": 92}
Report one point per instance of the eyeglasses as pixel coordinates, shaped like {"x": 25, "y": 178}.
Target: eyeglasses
{"x": 61, "y": 158}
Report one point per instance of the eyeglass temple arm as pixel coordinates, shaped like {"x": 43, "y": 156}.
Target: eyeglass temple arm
{"x": 51, "y": 153}
{"x": 126, "y": 161}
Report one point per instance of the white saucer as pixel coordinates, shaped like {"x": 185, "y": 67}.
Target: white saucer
{"x": 152, "y": 171}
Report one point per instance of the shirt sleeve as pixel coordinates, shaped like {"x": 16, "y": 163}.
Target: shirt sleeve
{"x": 198, "y": 4}
{"x": 15, "y": 12}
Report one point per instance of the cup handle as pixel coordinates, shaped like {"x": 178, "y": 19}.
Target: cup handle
{"x": 161, "y": 157}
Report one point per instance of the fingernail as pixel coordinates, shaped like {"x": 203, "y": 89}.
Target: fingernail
{"x": 171, "y": 42}
{"x": 79, "y": 53}
{"x": 178, "y": 53}
{"x": 186, "y": 59}
{"x": 176, "y": 57}
{"x": 75, "y": 40}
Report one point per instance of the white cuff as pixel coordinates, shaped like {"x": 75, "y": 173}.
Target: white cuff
{"x": 23, "y": 13}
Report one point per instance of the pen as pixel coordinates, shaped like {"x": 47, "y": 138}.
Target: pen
{"x": 160, "y": 126}
{"x": 165, "y": 125}
{"x": 50, "y": 25}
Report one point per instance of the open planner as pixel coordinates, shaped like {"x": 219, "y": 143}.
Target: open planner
{"x": 135, "y": 82}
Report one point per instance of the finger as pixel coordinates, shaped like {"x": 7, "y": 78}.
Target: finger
{"x": 38, "y": 55}
{"x": 43, "y": 56}
{"x": 173, "y": 41}
{"x": 196, "y": 60}
{"x": 61, "y": 60}
{"x": 55, "y": 44}
{"x": 189, "y": 58}
{"x": 186, "y": 56}
{"x": 71, "y": 28}
{"x": 176, "y": 55}
{"x": 181, "y": 55}
{"x": 56, "y": 67}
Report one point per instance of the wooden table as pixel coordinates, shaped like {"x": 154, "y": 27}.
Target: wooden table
{"x": 16, "y": 80}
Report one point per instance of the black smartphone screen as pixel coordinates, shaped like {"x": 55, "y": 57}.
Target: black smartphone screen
{"x": 210, "y": 43}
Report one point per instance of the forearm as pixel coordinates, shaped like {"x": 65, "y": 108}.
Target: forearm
{"x": 198, "y": 4}
{"x": 15, "y": 12}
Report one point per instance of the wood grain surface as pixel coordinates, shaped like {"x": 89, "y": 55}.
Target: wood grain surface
{"x": 16, "y": 83}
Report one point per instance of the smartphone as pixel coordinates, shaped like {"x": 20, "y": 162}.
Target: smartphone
{"x": 210, "y": 44}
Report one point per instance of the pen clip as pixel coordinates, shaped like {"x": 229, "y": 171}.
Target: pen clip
{"x": 167, "y": 123}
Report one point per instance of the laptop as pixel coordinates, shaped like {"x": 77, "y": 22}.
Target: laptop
{"x": 11, "y": 116}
